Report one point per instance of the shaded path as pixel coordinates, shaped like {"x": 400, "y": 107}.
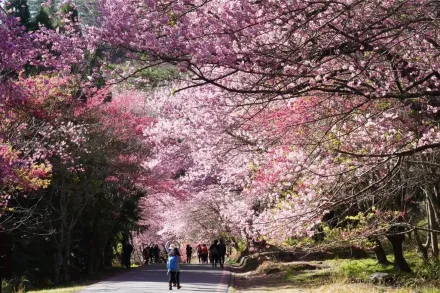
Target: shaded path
{"x": 153, "y": 279}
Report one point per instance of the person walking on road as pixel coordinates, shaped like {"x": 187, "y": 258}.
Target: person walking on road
{"x": 199, "y": 252}
{"x": 204, "y": 253}
{"x": 173, "y": 266}
{"x": 214, "y": 253}
{"x": 146, "y": 254}
{"x": 156, "y": 254}
{"x": 151, "y": 252}
{"x": 221, "y": 250}
{"x": 127, "y": 249}
{"x": 189, "y": 250}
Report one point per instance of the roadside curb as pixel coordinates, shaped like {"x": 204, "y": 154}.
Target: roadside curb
{"x": 231, "y": 281}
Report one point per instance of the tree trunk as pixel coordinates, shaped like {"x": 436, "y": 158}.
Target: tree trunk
{"x": 433, "y": 226}
{"x": 91, "y": 256}
{"x": 108, "y": 254}
{"x": 102, "y": 250}
{"x": 422, "y": 248}
{"x": 67, "y": 258}
{"x": 58, "y": 264}
{"x": 400, "y": 263}
{"x": 60, "y": 261}
{"x": 234, "y": 243}
{"x": 246, "y": 250}
{"x": 379, "y": 251}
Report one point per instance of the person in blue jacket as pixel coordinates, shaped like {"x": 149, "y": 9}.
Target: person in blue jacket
{"x": 173, "y": 266}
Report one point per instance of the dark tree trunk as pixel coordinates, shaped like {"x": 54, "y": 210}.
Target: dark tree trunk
{"x": 101, "y": 251}
{"x": 108, "y": 254}
{"x": 245, "y": 252}
{"x": 433, "y": 226}
{"x": 422, "y": 248}
{"x": 67, "y": 258}
{"x": 58, "y": 265}
{"x": 400, "y": 263}
{"x": 5, "y": 257}
{"x": 379, "y": 251}
{"x": 91, "y": 256}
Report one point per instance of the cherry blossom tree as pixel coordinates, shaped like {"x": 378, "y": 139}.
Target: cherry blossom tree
{"x": 288, "y": 166}
{"x": 24, "y": 100}
{"x": 347, "y": 67}
{"x": 290, "y": 110}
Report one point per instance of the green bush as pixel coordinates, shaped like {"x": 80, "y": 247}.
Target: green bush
{"x": 15, "y": 285}
{"x": 7, "y": 287}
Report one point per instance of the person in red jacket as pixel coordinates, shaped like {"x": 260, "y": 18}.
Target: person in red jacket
{"x": 204, "y": 253}
{"x": 146, "y": 254}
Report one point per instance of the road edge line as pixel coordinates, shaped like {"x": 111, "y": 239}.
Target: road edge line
{"x": 231, "y": 281}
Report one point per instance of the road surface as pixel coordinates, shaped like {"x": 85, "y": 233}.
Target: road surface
{"x": 153, "y": 279}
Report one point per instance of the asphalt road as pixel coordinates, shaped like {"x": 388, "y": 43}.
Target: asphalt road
{"x": 154, "y": 279}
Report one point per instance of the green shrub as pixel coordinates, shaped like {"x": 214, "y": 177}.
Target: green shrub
{"x": 15, "y": 285}
{"x": 7, "y": 287}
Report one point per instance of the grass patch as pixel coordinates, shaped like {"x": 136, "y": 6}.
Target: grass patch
{"x": 67, "y": 289}
{"x": 303, "y": 275}
{"x": 344, "y": 276}
{"x": 7, "y": 288}
{"x": 359, "y": 269}
{"x": 308, "y": 279}
{"x": 21, "y": 286}
{"x": 369, "y": 288}
{"x": 424, "y": 279}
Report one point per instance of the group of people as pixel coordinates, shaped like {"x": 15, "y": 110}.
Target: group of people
{"x": 215, "y": 253}
{"x": 151, "y": 254}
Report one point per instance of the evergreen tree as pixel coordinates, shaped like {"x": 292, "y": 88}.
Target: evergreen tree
{"x": 44, "y": 19}
{"x": 19, "y": 8}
